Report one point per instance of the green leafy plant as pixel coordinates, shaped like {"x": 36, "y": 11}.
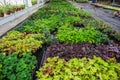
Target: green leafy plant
{"x": 1, "y": 12}
{"x": 100, "y": 25}
{"x": 73, "y": 35}
{"x": 29, "y": 29}
{"x": 53, "y": 16}
{"x": 104, "y": 28}
{"x": 78, "y": 69}
{"x": 50, "y": 24}
{"x": 117, "y": 35}
{"x": 38, "y": 29}
{"x": 17, "y": 68}
{"x": 8, "y": 8}
{"x": 34, "y": 2}
{"x": 62, "y": 8}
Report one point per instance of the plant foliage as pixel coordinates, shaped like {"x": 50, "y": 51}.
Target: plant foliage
{"x": 18, "y": 42}
{"x": 78, "y": 69}
{"x": 17, "y": 68}
{"x": 68, "y": 34}
{"x": 69, "y": 51}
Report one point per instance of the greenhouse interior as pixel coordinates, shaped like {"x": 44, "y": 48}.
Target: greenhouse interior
{"x": 59, "y": 39}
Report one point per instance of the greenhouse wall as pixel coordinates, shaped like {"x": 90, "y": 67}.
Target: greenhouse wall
{"x": 15, "y": 2}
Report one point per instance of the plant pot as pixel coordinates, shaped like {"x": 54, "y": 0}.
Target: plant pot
{"x": 21, "y": 8}
{"x": 17, "y": 9}
{"x": 12, "y": 11}
{"x": 8, "y": 12}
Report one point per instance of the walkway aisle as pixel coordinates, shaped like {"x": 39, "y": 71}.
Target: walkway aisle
{"x": 100, "y": 13}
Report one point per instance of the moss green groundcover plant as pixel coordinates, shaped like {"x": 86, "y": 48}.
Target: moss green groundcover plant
{"x": 17, "y": 68}
{"x": 79, "y": 69}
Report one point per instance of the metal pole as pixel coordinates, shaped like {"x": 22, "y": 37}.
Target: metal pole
{"x": 27, "y": 3}
{"x": 113, "y": 2}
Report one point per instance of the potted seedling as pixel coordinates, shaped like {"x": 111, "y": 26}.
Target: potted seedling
{"x": 20, "y": 7}
{"x": 34, "y": 2}
{"x": 5, "y": 10}
{"x": 8, "y": 8}
{"x": 17, "y": 8}
{"x": 13, "y": 9}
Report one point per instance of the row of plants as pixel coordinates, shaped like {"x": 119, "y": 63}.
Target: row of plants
{"x": 63, "y": 9}
{"x": 88, "y": 50}
{"x": 68, "y": 34}
{"x": 104, "y": 28}
{"x": 78, "y": 35}
{"x": 79, "y": 69}
{"x": 9, "y": 9}
{"x": 20, "y": 42}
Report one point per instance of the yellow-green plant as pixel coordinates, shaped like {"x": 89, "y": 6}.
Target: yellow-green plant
{"x": 78, "y": 69}
{"x": 19, "y": 42}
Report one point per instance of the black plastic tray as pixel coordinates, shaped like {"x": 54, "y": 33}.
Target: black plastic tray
{"x": 40, "y": 55}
